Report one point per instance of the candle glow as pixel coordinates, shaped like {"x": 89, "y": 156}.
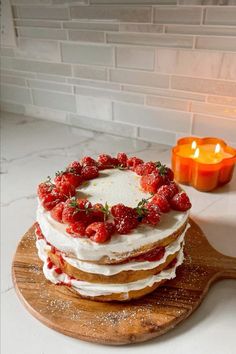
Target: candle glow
{"x": 194, "y": 145}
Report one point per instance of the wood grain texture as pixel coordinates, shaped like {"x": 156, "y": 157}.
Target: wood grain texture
{"x": 120, "y": 323}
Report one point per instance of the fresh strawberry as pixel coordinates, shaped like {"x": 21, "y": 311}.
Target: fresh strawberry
{"x": 88, "y": 161}
{"x": 145, "y": 168}
{"x": 122, "y": 158}
{"x": 133, "y": 162}
{"x": 56, "y": 212}
{"x": 180, "y": 202}
{"x": 161, "y": 202}
{"x": 150, "y": 183}
{"x": 152, "y": 214}
{"x": 76, "y": 229}
{"x": 89, "y": 172}
{"x": 74, "y": 167}
{"x": 98, "y": 232}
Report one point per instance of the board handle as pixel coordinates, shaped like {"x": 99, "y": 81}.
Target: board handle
{"x": 226, "y": 267}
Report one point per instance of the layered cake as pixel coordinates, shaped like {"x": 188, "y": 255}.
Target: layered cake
{"x": 111, "y": 228}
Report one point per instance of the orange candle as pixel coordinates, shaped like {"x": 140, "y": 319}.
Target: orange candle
{"x": 203, "y": 163}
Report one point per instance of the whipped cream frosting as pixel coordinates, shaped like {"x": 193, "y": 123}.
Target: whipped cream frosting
{"x": 109, "y": 270}
{"x": 95, "y": 289}
{"x": 114, "y": 186}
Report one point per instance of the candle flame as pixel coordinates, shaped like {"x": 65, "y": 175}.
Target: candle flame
{"x": 196, "y": 153}
{"x": 217, "y": 148}
{"x": 194, "y": 145}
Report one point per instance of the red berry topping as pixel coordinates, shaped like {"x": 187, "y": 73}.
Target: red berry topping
{"x": 52, "y": 199}
{"x": 38, "y": 231}
{"x": 161, "y": 202}
{"x": 98, "y": 232}
{"x": 49, "y": 264}
{"x": 152, "y": 214}
{"x": 150, "y": 183}
{"x": 145, "y": 168}
{"x": 88, "y": 161}
{"x": 122, "y": 158}
{"x": 168, "y": 190}
{"x": 180, "y": 202}
{"x": 152, "y": 256}
{"x": 44, "y": 188}
{"x": 66, "y": 184}
{"x": 74, "y": 167}
{"x": 56, "y": 212}
{"x": 106, "y": 161}
{"x": 58, "y": 270}
{"x": 76, "y": 229}
{"x": 89, "y": 172}
{"x": 133, "y": 162}
{"x": 126, "y": 218}
{"x": 70, "y": 214}
{"x": 169, "y": 174}
{"x": 98, "y": 212}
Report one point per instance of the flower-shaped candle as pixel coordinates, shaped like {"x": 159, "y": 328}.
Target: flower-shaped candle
{"x": 203, "y": 163}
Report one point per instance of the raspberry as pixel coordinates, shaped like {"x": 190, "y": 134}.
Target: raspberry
{"x": 126, "y": 224}
{"x": 120, "y": 210}
{"x": 180, "y": 202}
{"x": 152, "y": 214}
{"x": 150, "y": 183}
{"x": 152, "y": 256}
{"x": 70, "y": 214}
{"x": 52, "y": 199}
{"x": 83, "y": 204}
{"x": 64, "y": 185}
{"x": 106, "y": 161}
{"x": 168, "y": 190}
{"x": 169, "y": 174}
{"x": 98, "y": 232}
{"x": 174, "y": 187}
{"x": 44, "y": 188}
{"x": 145, "y": 168}
{"x": 88, "y": 161}
{"x": 89, "y": 172}
{"x": 76, "y": 229}
{"x": 161, "y": 202}
{"x": 97, "y": 213}
{"x": 133, "y": 162}
{"x": 122, "y": 158}
{"x": 74, "y": 167}
{"x": 56, "y": 212}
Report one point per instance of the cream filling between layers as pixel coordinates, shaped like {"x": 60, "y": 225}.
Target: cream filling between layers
{"x": 95, "y": 289}
{"x": 109, "y": 270}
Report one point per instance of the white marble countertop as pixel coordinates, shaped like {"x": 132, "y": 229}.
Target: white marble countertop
{"x": 34, "y": 149}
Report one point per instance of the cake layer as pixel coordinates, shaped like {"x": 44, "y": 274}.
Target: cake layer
{"x": 122, "y": 291}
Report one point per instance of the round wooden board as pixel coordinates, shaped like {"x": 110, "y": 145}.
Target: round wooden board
{"x": 120, "y": 323}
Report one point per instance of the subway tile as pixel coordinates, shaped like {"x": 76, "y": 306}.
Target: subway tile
{"x": 95, "y": 83}
{"x": 157, "y": 135}
{"x": 159, "y": 40}
{"x": 40, "y": 12}
{"x": 141, "y": 27}
{"x": 228, "y": 101}
{"x": 16, "y": 94}
{"x": 182, "y": 15}
{"x": 228, "y": 67}
{"x": 105, "y": 126}
{"x": 94, "y": 107}
{"x": 212, "y": 109}
{"x": 216, "y": 43}
{"x": 43, "y": 33}
{"x": 90, "y": 72}
{"x": 86, "y": 36}
{"x": 113, "y": 12}
{"x": 30, "y": 2}
{"x": 152, "y": 117}
{"x": 220, "y": 16}
{"x": 139, "y": 78}
{"x": 12, "y": 80}
{"x": 188, "y": 62}
{"x": 23, "y": 74}
{"x": 39, "y": 67}
{"x": 87, "y": 54}
{"x": 169, "y": 103}
{"x": 207, "y": 2}
{"x": 6, "y": 51}
{"x": 206, "y": 125}
{"x": 46, "y": 113}
{"x": 91, "y": 25}
{"x": 212, "y": 87}
{"x": 37, "y": 23}
{"x": 51, "y": 78}
{"x": 110, "y": 94}
{"x": 47, "y": 85}
{"x": 38, "y": 49}
{"x": 201, "y": 30}
{"x": 54, "y": 100}
{"x": 135, "y": 57}
{"x": 164, "y": 92}
{"x": 79, "y": 2}
{"x": 11, "y": 107}
{"x": 146, "y": 2}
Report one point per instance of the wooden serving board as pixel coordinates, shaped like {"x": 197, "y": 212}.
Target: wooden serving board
{"x": 120, "y": 323}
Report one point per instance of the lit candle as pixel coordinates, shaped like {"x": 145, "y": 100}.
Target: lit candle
{"x": 203, "y": 163}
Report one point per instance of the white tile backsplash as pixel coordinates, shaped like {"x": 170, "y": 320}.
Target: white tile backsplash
{"x": 151, "y": 69}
